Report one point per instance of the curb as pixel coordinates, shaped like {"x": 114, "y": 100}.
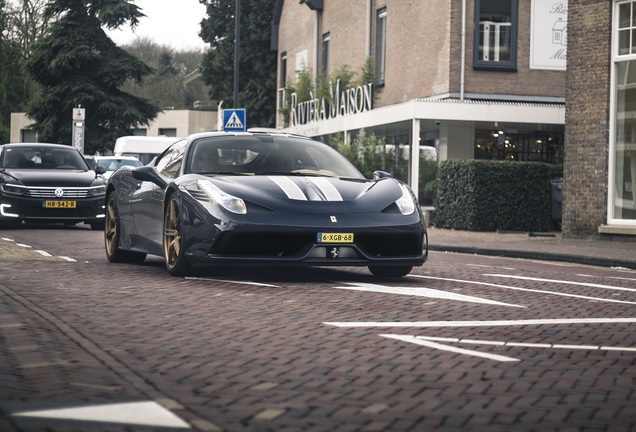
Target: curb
{"x": 544, "y": 256}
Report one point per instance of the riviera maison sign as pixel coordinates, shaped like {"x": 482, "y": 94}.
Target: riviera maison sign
{"x": 340, "y": 103}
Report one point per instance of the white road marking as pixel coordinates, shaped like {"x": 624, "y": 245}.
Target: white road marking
{"x": 69, "y": 259}
{"x": 135, "y": 413}
{"x": 622, "y": 278}
{"x": 432, "y": 342}
{"x": 419, "y": 292}
{"x": 421, "y": 341}
{"x": 234, "y": 281}
{"x": 525, "y": 289}
{"x": 586, "y": 284}
{"x": 556, "y": 321}
{"x": 43, "y": 253}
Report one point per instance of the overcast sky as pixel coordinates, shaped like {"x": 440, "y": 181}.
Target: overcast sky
{"x": 175, "y": 23}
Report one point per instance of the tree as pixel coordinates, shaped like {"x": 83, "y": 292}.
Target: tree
{"x": 21, "y": 23}
{"x": 257, "y": 62}
{"x": 165, "y": 86}
{"x": 77, "y": 64}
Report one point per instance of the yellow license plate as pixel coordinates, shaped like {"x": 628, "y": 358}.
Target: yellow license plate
{"x": 335, "y": 237}
{"x": 60, "y": 204}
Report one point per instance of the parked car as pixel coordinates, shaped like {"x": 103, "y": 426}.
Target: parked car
{"x": 49, "y": 183}
{"x": 220, "y": 199}
{"x": 113, "y": 163}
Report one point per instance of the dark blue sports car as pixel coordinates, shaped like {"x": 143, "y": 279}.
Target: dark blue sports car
{"x": 256, "y": 198}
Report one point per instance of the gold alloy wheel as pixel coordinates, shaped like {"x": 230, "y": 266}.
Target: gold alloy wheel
{"x": 110, "y": 227}
{"x": 172, "y": 234}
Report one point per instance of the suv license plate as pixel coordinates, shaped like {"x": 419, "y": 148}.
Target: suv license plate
{"x": 59, "y": 204}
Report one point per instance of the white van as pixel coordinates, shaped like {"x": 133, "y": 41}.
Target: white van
{"x": 144, "y": 148}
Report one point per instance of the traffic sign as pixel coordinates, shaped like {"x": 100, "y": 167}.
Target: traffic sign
{"x": 234, "y": 120}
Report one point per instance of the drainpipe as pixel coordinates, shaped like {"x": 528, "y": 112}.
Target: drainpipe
{"x": 463, "y": 55}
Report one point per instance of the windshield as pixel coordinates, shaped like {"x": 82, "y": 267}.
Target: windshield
{"x": 111, "y": 164}
{"x": 267, "y": 155}
{"x": 36, "y": 157}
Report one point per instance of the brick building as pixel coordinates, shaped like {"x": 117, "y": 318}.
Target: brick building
{"x": 470, "y": 79}
{"x": 600, "y": 140}
{"x": 481, "y": 79}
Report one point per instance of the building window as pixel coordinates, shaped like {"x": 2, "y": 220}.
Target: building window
{"x": 169, "y": 132}
{"x": 495, "y": 37}
{"x": 324, "y": 65}
{"x": 283, "y": 70}
{"x": 28, "y": 136}
{"x": 622, "y": 169}
{"x": 380, "y": 46}
{"x": 625, "y": 31}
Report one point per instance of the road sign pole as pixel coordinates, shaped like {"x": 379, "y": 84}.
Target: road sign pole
{"x": 79, "y": 119}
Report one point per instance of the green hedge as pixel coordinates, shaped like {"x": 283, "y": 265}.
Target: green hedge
{"x": 478, "y": 195}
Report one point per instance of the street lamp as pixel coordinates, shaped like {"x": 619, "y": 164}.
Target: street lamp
{"x": 237, "y": 50}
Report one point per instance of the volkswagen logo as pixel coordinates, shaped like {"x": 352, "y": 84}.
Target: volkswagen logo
{"x": 59, "y": 192}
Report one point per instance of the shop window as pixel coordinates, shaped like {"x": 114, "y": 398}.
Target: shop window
{"x": 530, "y": 146}
{"x": 495, "y": 36}
{"x": 380, "y": 46}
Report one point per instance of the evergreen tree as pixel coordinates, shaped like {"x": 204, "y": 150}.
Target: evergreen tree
{"x": 11, "y": 75}
{"x": 257, "y": 62}
{"x": 165, "y": 87}
{"x": 77, "y": 64}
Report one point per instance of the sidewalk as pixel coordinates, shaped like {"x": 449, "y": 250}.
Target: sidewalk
{"x": 544, "y": 246}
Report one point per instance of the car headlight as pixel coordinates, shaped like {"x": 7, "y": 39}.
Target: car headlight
{"x": 227, "y": 201}
{"x": 13, "y": 189}
{"x": 405, "y": 203}
{"x": 98, "y": 191}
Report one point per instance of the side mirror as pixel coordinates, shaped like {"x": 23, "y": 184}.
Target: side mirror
{"x": 148, "y": 173}
{"x": 100, "y": 169}
{"x": 379, "y": 175}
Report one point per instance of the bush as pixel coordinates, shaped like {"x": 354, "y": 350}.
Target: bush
{"x": 481, "y": 195}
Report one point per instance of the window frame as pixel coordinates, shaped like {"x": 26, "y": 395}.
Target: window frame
{"x": 509, "y": 65}
{"x": 616, "y": 126}
{"x": 324, "y": 53}
{"x": 380, "y": 45}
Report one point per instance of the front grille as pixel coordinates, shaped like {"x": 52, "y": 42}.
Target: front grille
{"x": 44, "y": 213}
{"x": 49, "y": 192}
{"x": 374, "y": 244}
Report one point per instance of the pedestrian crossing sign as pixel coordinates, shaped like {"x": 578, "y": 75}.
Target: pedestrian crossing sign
{"x": 234, "y": 120}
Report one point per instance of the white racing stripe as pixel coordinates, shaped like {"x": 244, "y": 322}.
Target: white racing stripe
{"x": 328, "y": 190}
{"x": 294, "y": 192}
{"x": 290, "y": 188}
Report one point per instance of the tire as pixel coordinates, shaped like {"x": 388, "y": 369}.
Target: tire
{"x": 173, "y": 240}
{"x": 112, "y": 230}
{"x": 390, "y": 271}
